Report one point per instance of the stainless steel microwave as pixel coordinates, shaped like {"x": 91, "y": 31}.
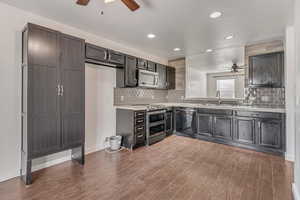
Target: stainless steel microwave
{"x": 147, "y": 79}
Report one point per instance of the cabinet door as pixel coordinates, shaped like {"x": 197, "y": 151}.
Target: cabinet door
{"x": 73, "y": 94}
{"x": 244, "y": 130}
{"x": 142, "y": 63}
{"x": 171, "y": 73}
{"x": 204, "y": 124}
{"x": 130, "y": 72}
{"x": 116, "y": 57}
{"x": 269, "y": 133}
{"x": 95, "y": 53}
{"x": 222, "y": 127}
{"x": 169, "y": 122}
{"x": 44, "y": 134}
{"x": 266, "y": 70}
{"x": 162, "y": 76}
{"x": 151, "y": 66}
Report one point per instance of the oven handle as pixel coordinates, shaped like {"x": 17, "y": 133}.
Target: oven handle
{"x": 156, "y": 112}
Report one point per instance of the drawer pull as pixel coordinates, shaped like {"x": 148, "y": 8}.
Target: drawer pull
{"x": 140, "y": 136}
{"x": 140, "y": 128}
{"x": 139, "y": 121}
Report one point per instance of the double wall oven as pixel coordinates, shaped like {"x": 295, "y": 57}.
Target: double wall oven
{"x": 156, "y": 126}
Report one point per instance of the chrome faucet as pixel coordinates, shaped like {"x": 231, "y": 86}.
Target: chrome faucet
{"x": 218, "y": 95}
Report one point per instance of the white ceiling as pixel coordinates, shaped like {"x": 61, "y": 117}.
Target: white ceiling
{"x": 176, "y": 23}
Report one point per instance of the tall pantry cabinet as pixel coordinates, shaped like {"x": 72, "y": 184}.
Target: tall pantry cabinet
{"x": 53, "y": 95}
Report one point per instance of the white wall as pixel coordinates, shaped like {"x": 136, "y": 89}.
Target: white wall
{"x": 290, "y": 86}
{"x": 296, "y": 186}
{"x": 12, "y": 22}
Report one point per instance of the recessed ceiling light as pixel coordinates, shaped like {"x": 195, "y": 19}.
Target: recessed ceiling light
{"x": 215, "y": 15}
{"x": 176, "y": 49}
{"x": 151, "y": 35}
{"x": 209, "y": 50}
{"x": 229, "y": 37}
{"x": 108, "y": 1}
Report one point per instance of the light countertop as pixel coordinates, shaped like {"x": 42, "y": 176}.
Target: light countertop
{"x": 208, "y": 106}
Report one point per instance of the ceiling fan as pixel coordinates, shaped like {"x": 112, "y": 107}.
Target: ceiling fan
{"x": 235, "y": 68}
{"x": 131, "y": 4}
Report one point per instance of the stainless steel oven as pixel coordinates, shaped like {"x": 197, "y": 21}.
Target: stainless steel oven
{"x": 156, "y": 126}
{"x": 147, "y": 79}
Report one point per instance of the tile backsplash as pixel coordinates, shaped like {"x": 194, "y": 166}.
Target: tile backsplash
{"x": 265, "y": 96}
{"x": 126, "y": 96}
{"x": 256, "y": 96}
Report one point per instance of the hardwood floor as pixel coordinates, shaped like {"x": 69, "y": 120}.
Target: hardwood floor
{"x": 176, "y": 168}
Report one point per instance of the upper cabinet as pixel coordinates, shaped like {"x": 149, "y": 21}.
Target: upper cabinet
{"x": 130, "y": 72}
{"x": 96, "y": 53}
{"x": 116, "y": 57}
{"x": 267, "y": 70}
{"x": 102, "y": 56}
{"x": 171, "y": 78}
{"x": 141, "y": 63}
{"x": 162, "y": 76}
{"x": 151, "y": 66}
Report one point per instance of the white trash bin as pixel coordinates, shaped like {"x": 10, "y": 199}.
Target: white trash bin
{"x": 115, "y": 142}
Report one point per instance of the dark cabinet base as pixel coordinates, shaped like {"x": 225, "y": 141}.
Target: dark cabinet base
{"x": 26, "y": 164}
{"x": 235, "y": 144}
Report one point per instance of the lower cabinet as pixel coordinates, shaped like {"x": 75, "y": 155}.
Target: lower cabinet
{"x": 269, "y": 133}
{"x": 169, "y": 123}
{"x": 222, "y": 127}
{"x": 204, "y": 122}
{"x": 244, "y": 130}
{"x": 131, "y": 125}
{"x": 264, "y": 132}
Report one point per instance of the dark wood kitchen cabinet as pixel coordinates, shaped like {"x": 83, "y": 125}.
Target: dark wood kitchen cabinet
{"x": 127, "y": 76}
{"x": 244, "y": 130}
{"x": 53, "y": 96}
{"x": 142, "y": 64}
{"x": 171, "y": 78}
{"x": 131, "y": 125}
{"x": 269, "y": 133}
{"x": 95, "y": 53}
{"x": 259, "y": 131}
{"x": 169, "y": 122}
{"x": 116, "y": 58}
{"x": 205, "y": 124}
{"x": 151, "y": 66}
{"x": 222, "y": 127}
{"x": 162, "y": 76}
{"x": 267, "y": 70}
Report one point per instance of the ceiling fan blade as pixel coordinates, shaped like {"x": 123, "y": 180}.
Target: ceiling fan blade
{"x": 82, "y": 2}
{"x": 131, "y": 4}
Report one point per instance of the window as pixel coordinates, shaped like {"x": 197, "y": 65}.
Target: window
{"x": 226, "y": 87}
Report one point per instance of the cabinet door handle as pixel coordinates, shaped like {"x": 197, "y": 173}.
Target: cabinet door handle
{"x": 62, "y": 90}
{"x": 58, "y": 90}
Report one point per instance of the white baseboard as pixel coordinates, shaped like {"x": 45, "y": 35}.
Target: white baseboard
{"x": 50, "y": 163}
{"x": 290, "y": 157}
{"x": 295, "y": 192}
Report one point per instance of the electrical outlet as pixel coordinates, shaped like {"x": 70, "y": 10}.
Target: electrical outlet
{"x": 122, "y": 98}
{"x": 152, "y": 97}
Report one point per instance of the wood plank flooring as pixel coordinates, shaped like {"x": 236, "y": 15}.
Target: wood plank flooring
{"x": 176, "y": 168}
